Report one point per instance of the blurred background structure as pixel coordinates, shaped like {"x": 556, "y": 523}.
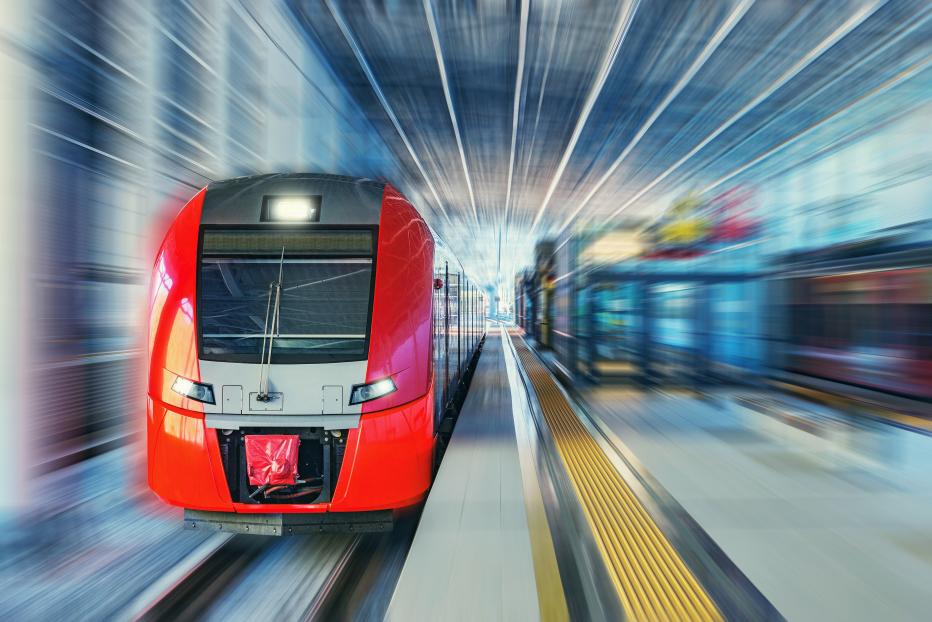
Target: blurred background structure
{"x": 662, "y": 194}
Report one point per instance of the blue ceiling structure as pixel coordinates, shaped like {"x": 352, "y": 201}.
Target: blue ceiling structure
{"x": 515, "y": 121}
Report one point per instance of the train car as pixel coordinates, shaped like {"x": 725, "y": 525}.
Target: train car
{"x": 308, "y": 333}
{"x": 863, "y": 319}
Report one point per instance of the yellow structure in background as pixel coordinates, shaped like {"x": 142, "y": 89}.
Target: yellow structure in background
{"x": 684, "y": 225}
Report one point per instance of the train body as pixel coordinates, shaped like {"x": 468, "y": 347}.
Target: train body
{"x": 862, "y": 319}
{"x": 307, "y": 335}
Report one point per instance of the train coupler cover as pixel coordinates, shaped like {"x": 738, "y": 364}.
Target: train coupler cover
{"x": 272, "y": 459}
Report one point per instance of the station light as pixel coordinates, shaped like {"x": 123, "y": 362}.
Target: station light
{"x": 291, "y": 209}
{"x": 366, "y": 392}
{"x": 197, "y": 391}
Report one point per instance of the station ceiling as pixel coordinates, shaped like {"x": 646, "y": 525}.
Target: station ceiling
{"x": 513, "y": 121}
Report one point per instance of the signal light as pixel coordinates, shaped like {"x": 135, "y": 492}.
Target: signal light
{"x": 291, "y": 209}
{"x": 367, "y": 392}
{"x": 196, "y": 391}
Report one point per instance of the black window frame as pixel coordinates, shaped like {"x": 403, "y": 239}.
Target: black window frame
{"x": 287, "y": 358}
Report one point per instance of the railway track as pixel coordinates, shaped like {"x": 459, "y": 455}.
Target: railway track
{"x": 300, "y": 577}
{"x": 187, "y": 591}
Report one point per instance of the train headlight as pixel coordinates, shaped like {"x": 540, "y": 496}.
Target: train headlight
{"x": 291, "y": 209}
{"x": 197, "y": 391}
{"x": 366, "y": 392}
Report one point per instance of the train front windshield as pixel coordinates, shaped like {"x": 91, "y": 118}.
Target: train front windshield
{"x": 326, "y": 292}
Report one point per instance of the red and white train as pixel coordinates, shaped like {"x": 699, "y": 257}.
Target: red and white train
{"x": 307, "y": 334}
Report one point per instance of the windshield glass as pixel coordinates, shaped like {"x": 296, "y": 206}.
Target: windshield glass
{"x": 325, "y": 294}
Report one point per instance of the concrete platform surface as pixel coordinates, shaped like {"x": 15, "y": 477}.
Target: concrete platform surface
{"x": 831, "y": 521}
{"x": 471, "y": 556}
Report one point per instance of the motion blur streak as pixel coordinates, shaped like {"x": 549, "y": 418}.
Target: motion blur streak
{"x": 713, "y": 44}
{"x": 618, "y": 37}
{"x": 14, "y": 108}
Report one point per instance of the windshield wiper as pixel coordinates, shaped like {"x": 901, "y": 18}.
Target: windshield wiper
{"x": 326, "y": 280}
{"x": 265, "y": 361}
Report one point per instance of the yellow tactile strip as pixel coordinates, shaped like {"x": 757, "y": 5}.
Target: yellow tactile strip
{"x": 653, "y": 583}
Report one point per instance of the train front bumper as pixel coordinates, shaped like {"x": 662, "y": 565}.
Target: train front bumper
{"x": 387, "y": 464}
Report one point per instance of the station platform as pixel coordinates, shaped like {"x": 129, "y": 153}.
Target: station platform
{"x": 610, "y": 502}
{"x": 828, "y": 515}
{"x": 475, "y": 529}
{"x": 532, "y": 512}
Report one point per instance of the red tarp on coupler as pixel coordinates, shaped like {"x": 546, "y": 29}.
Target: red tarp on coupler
{"x": 272, "y": 459}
